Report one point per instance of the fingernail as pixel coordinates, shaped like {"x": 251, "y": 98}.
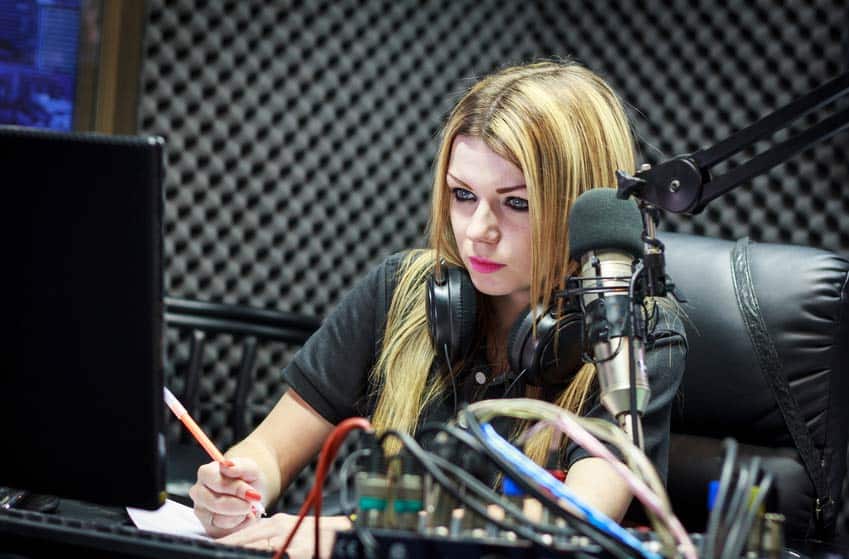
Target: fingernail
{"x": 258, "y": 510}
{"x": 253, "y": 495}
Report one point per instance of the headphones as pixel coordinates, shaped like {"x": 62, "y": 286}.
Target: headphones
{"x": 451, "y": 314}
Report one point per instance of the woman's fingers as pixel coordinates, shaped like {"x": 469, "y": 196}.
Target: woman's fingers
{"x": 221, "y": 503}
{"x": 227, "y": 522}
{"x": 260, "y": 531}
{"x": 236, "y": 480}
{"x": 225, "y": 499}
{"x": 218, "y": 524}
{"x": 217, "y": 491}
{"x": 242, "y": 468}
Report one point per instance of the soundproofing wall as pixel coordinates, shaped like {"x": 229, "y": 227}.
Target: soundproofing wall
{"x": 301, "y": 135}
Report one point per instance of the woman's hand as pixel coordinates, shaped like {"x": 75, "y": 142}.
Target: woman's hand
{"x": 270, "y": 534}
{"x": 226, "y": 496}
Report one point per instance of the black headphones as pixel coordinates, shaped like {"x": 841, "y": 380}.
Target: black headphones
{"x": 451, "y": 314}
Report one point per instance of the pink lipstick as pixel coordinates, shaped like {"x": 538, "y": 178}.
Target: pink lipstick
{"x": 483, "y": 265}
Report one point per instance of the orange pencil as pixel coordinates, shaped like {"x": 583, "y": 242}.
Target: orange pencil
{"x": 200, "y": 436}
{"x": 193, "y": 427}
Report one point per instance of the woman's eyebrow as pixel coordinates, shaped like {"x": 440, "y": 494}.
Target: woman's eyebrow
{"x": 502, "y": 190}
{"x": 506, "y": 189}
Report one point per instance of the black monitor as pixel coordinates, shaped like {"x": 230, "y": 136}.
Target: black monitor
{"x": 81, "y": 408}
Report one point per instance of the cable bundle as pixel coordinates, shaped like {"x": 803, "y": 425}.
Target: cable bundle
{"x": 313, "y": 500}
{"x": 639, "y": 473}
{"x": 736, "y": 507}
{"x": 456, "y": 476}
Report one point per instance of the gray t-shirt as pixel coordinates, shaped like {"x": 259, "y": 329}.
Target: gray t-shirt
{"x": 330, "y": 372}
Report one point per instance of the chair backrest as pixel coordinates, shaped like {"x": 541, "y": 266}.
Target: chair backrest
{"x": 249, "y": 326}
{"x": 769, "y": 368}
{"x": 215, "y": 325}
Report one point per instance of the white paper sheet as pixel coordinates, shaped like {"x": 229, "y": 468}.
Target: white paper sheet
{"x": 171, "y": 518}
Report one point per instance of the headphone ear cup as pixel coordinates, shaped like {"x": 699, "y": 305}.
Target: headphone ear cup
{"x": 465, "y": 314}
{"x": 536, "y": 354}
{"x": 437, "y": 304}
{"x": 451, "y": 312}
{"x": 521, "y": 347}
{"x": 561, "y": 367}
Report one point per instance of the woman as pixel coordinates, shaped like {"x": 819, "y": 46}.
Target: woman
{"x": 520, "y": 146}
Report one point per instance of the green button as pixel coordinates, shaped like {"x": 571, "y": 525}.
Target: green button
{"x": 411, "y": 505}
{"x": 372, "y": 503}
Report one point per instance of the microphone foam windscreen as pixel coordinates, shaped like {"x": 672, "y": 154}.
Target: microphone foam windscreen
{"x": 601, "y": 221}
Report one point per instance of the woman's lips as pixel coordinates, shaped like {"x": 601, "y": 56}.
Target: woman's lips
{"x": 483, "y": 265}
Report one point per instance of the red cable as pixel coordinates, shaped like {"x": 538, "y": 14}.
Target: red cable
{"x": 328, "y": 452}
{"x": 339, "y": 435}
{"x": 301, "y": 515}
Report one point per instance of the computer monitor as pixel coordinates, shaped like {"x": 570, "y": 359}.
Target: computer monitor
{"x": 81, "y": 408}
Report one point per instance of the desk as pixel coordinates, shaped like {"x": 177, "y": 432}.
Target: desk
{"x": 81, "y": 529}
{"x": 94, "y": 531}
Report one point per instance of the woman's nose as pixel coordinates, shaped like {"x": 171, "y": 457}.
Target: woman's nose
{"x": 483, "y": 226}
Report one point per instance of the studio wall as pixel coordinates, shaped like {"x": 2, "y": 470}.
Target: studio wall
{"x": 301, "y": 135}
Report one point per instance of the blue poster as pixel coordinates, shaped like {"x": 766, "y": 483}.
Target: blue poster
{"x": 39, "y": 43}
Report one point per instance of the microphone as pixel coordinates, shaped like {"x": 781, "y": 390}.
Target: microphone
{"x": 605, "y": 233}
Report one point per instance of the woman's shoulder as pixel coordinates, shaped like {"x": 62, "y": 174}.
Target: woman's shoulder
{"x": 402, "y": 268}
{"x": 666, "y": 353}
{"x": 669, "y": 317}
{"x": 411, "y": 255}
{"x": 414, "y": 261}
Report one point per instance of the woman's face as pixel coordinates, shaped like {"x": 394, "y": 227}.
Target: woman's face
{"x": 489, "y": 216}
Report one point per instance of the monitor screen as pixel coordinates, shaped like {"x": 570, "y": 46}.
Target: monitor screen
{"x": 81, "y": 410}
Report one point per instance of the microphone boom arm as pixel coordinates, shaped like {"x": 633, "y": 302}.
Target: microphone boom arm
{"x": 684, "y": 183}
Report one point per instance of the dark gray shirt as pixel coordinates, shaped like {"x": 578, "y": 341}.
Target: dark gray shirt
{"x": 330, "y": 372}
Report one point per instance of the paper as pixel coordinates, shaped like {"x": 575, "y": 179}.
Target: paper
{"x": 171, "y": 518}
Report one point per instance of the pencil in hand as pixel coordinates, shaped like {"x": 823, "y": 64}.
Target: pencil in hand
{"x": 180, "y": 411}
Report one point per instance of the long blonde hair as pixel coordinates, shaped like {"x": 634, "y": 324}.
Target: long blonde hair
{"x": 565, "y": 128}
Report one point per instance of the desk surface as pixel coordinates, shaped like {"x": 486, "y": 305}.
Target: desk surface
{"x": 107, "y": 531}
{"x": 81, "y": 529}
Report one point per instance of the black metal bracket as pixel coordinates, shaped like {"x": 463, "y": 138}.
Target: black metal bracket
{"x": 684, "y": 184}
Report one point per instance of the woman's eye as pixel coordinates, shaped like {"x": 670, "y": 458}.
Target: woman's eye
{"x": 519, "y": 204}
{"x": 462, "y": 195}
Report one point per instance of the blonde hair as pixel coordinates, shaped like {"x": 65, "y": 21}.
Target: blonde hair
{"x": 565, "y": 128}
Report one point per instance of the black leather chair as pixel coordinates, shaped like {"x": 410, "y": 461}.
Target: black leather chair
{"x": 248, "y": 326}
{"x": 768, "y": 365}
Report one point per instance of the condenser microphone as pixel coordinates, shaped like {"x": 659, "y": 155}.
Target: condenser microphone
{"x": 605, "y": 234}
